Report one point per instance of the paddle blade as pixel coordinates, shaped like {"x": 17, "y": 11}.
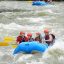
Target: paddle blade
{"x": 29, "y": 1}
{"x": 4, "y": 44}
{"x": 9, "y": 39}
{"x": 13, "y": 46}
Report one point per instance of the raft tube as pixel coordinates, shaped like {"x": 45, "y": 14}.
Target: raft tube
{"x": 39, "y": 3}
{"x": 30, "y": 47}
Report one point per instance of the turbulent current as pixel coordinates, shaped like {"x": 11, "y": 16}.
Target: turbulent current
{"x": 16, "y": 16}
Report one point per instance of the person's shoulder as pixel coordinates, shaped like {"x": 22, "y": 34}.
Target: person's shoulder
{"x": 26, "y": 37}
{"x": 18, "y": 36}
{"x": 53, "y": 36}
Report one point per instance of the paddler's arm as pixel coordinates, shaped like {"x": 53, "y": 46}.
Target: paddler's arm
{"x": 17, "y": 40}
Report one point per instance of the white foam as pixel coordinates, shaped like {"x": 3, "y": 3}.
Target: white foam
{"x": 36, "y": 20}
{"x": 58, "y": 44}
{"x": 35, "y": 63}
{"x": 54, "y": 53}
{"x": 49, "y": 11}
{"x": 31, "y": 19}
{"x": 14, "y": 26}
{"x": 23, "y": 59}
{"x": 61, "y": 58}
{"x": 1, "y": 53}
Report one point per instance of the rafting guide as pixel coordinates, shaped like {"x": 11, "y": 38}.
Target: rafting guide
{"x": 48, "y": 38}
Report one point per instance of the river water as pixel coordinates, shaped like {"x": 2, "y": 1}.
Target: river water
{"x": 16, "y": 16}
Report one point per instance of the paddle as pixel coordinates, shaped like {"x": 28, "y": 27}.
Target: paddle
{"x": 7, "y": 44}
{"x": 8, "y": 41}
{"x": 4, "y": 44}
{"x": 13, "y": 45}
{"x": 29, "y": 1}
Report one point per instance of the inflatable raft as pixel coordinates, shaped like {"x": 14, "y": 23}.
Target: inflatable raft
{"x": 30, "y": 47}
{"x": 39, "y": 3}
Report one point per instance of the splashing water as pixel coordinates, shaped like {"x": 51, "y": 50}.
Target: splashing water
{"x": 17, "y": 16}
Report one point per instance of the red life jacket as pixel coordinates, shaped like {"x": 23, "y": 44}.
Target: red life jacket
{"x": 20, "y": 39}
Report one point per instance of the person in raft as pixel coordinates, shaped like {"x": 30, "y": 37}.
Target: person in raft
{"x": 21, "y": 38}
{"x": 30, "y": 39}
{"x": 38, "y": 37}
{"x": 48, "y": 38}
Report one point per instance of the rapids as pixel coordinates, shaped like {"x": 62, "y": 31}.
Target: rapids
{"x": 16, "y": 16}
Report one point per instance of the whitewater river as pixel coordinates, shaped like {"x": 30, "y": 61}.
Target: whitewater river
{"x": 22, "y": 16}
